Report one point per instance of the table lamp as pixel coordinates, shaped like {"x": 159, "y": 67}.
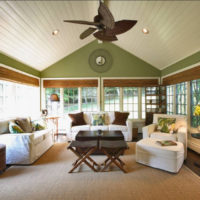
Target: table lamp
{"x": 54, "y": 103}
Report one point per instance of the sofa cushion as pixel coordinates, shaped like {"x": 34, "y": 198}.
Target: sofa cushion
{"x": 39, "y": 125}
{"x": 80, "y": 128}
{"x": 77, "y": 119}
{"x": 163, "y": 136}
{"x": 96, "y": 128}
{"x": 113, "y": 127}
{"x": 25, "y": 124}
{"x": 98, "y": 119}
{"x": 120, "y": 118}
{"x": 14, "y": 128}
{"x": 4, "y": 126}
{"x": 166, "y": 125}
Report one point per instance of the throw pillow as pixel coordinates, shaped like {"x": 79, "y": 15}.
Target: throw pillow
{"x": 98, "y": 119}
{"x": 25, "y": 124}
{"x": 14, "y": 128}
{"x": 77, "y": 119}
{"x": 166, "y": 125}
{"x": 39, "y": 125}
{"x": 120, "y": 118}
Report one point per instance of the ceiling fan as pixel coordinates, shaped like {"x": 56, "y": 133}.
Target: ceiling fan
{"x": 106, "y": 28}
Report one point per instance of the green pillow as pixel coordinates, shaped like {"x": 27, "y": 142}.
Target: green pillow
{"x": 166, "y": 125}
{"x": 98, "y": 119}
{"x": 14, "y": 128}
{"x": 39, "y": 125}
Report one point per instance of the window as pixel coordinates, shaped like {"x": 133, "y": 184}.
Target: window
{"x": 125, "y": 99}
{"x": 18, "y": 99}
{"x": 70, "y": 100}
{"x": 169, "y": 99}
{"x": 50, "y": 105}
{"x": 181, "y": 98}
{"x": 143, "y": 104}
{"x": 195, "y": 99}
{"x": 89, "y": 99}
{"x": 130, "y": 101}
{"x": 111, "y": 98}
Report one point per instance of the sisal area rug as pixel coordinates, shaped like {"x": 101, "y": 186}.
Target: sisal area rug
{"x": 48, "y": 179}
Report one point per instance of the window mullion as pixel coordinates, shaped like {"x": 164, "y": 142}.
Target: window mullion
{"x": 174, "y": 99}
{"x": 140, "y": 103}
{"x": 121, "y": 99}
{"x": 61, "y": 100}
{"x": 188, "y": 103}
{"x": 79, "y": 99}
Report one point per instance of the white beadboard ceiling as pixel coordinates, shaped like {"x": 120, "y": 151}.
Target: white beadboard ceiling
{"x": 26, "y": 29}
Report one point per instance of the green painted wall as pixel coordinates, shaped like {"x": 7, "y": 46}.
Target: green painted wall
{"x": 6, "y": 60}
{"x": 186, "y": 62}
{"x": 124, "y": 64}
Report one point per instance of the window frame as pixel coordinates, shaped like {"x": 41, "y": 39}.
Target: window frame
{"x": 182, "y": 85}
{"x": 194, "y": 120}
{"x": 170, "y": 96}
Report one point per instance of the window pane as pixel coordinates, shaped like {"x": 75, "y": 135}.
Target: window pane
{"x": 18, "y": 99}
{"x": 52, "y": 107}
{"x": 89, "y": 99}
{"x": 130, "y": 101}
{"x": 70, "y": 97}
{"x": 195, "y": 99}
{"x": 143, "y": 104}
{"x": 170, "y": 96}
{"x": 181, "y": 98}
{"x": 111, "y": 98}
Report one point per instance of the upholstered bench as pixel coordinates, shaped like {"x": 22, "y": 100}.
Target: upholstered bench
{"x": 169, "y": 158}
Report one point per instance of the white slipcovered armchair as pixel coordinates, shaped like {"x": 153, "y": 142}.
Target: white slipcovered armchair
{"x": 151, "y": 131}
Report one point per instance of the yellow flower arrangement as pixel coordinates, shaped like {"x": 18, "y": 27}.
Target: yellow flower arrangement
{"x": 197, "y": 110}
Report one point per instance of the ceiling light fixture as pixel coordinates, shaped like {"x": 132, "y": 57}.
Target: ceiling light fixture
{"x": 145, "y": 30}
{"x": 55, "y": 32}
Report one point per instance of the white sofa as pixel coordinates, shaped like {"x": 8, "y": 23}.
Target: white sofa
{"x": 24, "y": 148}
{"x": 109, "y": 118}
{"x": 151, "y": 131}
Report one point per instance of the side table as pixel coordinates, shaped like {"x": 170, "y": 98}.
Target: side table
{"x": 197, "y": 136}
{"x": 2, "y": 157}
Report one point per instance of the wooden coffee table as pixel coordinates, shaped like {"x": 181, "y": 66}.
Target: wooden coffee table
{"x": 94, "y": 135}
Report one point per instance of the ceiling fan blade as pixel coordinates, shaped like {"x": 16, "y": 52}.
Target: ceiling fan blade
{"x": 101, "y": 35}
{"x": 82, "y": 22}
{"x": 87, "y": 32}
{"x": 107, "y": 18}
{"x": 121, "y": 27}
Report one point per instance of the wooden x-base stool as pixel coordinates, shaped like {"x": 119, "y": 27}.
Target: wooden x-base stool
{"x": 113, "y": 149}
{"x": 83, "y": 150}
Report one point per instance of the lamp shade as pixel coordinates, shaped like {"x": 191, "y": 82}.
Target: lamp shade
{"x": 54, "y": 97}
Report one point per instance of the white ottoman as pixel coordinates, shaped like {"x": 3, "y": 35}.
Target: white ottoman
{"x": 169, "y": 158}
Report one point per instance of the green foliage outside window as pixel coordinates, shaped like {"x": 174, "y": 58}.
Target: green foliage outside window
{"x": 195, "y": 99}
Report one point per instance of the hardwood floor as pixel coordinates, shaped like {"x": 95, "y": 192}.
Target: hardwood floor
{"x": 193, "y": 161}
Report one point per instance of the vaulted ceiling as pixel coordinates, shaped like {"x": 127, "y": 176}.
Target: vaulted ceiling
{"x": 26, "y": 29}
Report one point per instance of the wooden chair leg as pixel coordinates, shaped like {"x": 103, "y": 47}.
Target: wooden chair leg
{"x": 113, "y": 160}
{"x": 83, "y": 159}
